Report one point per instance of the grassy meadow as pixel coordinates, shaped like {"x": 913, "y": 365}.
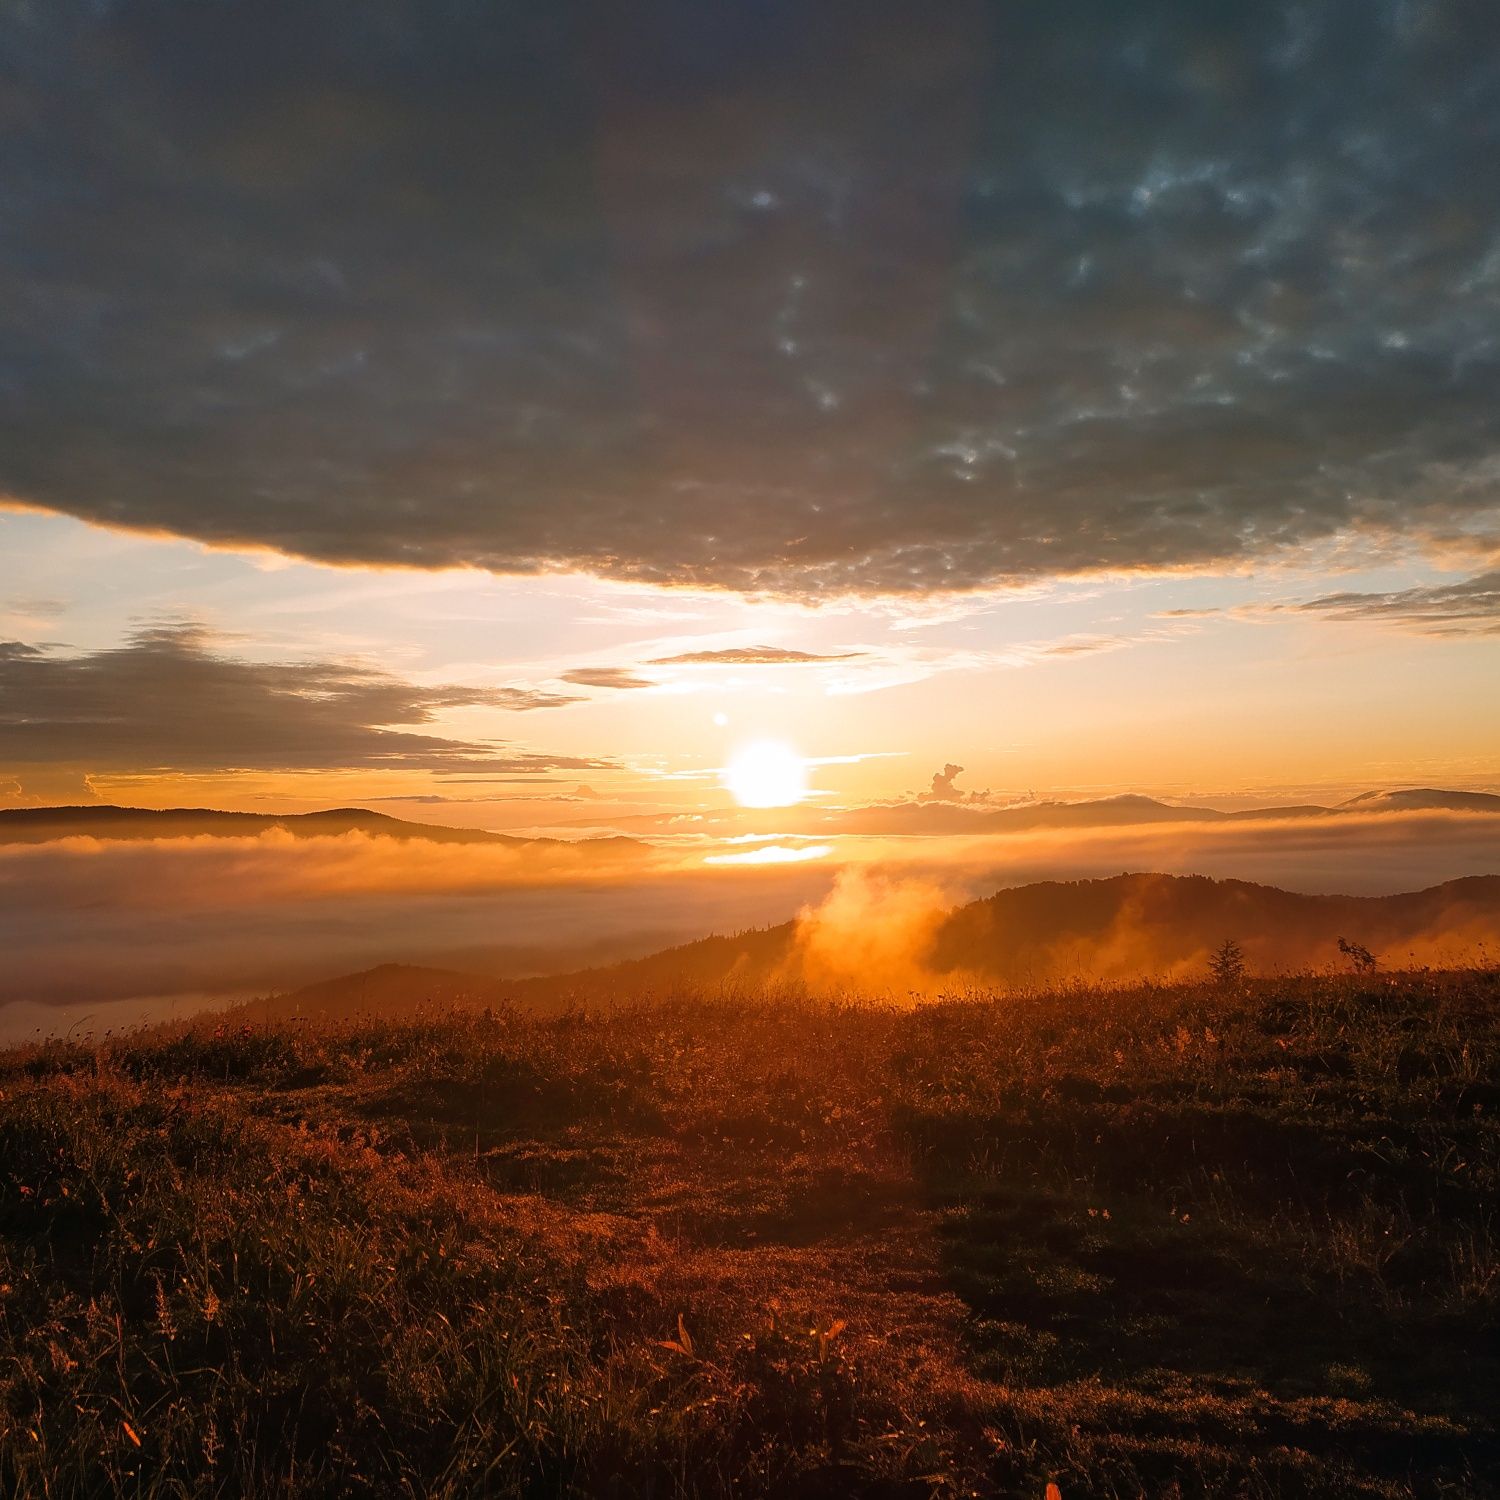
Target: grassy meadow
{"x": 1212, "y": 1240}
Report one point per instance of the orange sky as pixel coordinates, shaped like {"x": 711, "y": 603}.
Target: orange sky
{"x": 1075, "y": 689}
{"x": 504, "y": 416}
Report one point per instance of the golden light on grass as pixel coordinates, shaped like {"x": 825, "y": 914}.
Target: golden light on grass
{"x": 766, "y": 773}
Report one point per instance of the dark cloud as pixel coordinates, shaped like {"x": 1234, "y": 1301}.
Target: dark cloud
{"x": 752, "y": 656}
{"x": 607, "y": 677}
{"x": 1471, "y": 607}
{"x": 774, "y": 297}
{"x": 169, "y": 699}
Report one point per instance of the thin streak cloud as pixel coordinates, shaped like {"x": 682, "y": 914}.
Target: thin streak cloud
{"x": 1471, "y": 607}
{"x": 607, "y": 677}
{"x": 753, "y": 656}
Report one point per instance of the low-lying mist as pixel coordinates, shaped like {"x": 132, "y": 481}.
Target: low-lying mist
{"x": 881, "y": 935}
{"x": 85, "y": 920}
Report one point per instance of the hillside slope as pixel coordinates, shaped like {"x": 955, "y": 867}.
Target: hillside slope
{"x": 1122, "y": 929}
{"x": 1126, "y": 927}
{"x": 1191, "y": 1242}
{"x": 388, "y": 990}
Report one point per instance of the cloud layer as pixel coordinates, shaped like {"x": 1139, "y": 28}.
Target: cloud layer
{"x": 1471, "y": 607}
{"x": 171, "y": 699}
{"x": 769, "y": 297}
{"x": 82, "y": 919}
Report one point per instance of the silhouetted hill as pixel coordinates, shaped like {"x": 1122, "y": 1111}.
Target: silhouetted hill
{"x": 1129, "y": 926}
{"x": 1423, "y": 799}
{"x": 41, "y": 824}
{"x": 1295, "y": 810}
{"x": 956, "y": 818}
{"x": 1149, "y": 923}
{"x": 35, "y": 825}
{"x": 926, "y": 817}
{"x": 1131, "y": 810}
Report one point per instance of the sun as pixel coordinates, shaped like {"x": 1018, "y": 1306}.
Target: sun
{"x": 767, "y": 773}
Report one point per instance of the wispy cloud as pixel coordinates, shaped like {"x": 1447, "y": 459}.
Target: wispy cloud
{"x": 171, "y": 698}
{"x": 753, "y": 656}
{"x": 1087, "y": 645}
{"x": 607, "y": 677}
{"x": 1471, "y": 607}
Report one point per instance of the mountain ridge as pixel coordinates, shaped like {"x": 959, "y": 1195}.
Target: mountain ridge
{"x": 956, "y": 817}
{"x": 29, "y": 825}
{"x": 43, "y": 824}
{"x": 1134, "y": 925}
{"x": 1126, "y": 927}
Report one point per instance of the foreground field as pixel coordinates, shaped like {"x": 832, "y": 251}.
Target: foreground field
{"x": 1165, "y": 1242}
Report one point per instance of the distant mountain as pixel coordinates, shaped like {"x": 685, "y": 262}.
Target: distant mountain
{"x": 36, "y": 825}
{"x": 1423, "y": 799}
{"x": 1129, "y": 926}
{"x": 942, "y": 819}
{"x": 1278, "y": 814}
{"x": 957, "y": 818}
{"x": 1157, "y": 923}
{"x": 1117, "y": 812}
{"x": 27, "y": 825}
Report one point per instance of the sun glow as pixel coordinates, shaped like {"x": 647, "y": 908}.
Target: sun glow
{"x": 767, "y": 773}
{"x": 773, "y": 854}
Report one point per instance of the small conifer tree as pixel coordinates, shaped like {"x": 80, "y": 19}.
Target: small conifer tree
{"x": 1228, "y": 962}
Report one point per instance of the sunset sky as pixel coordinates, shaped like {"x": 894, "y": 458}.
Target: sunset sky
{"x": 797, "y": 701}
{"x": 504, "y": 415}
